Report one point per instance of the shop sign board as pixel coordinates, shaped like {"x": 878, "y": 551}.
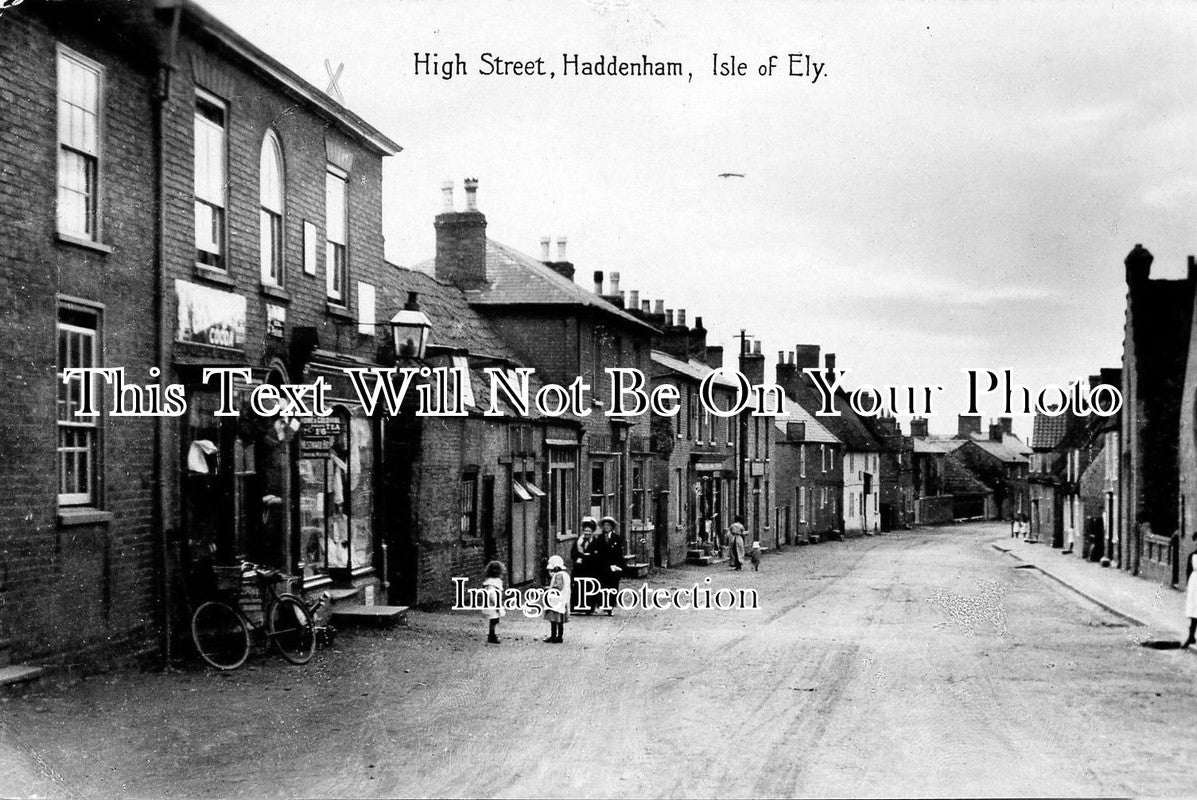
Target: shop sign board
{"x": 210, "y": 316}
{"x": 317, "y": 435}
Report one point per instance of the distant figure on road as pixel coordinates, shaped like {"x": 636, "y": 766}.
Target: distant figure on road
{"x": 755, "y": 555}
{"x": 557, "y": 600}
{"x": 736, "y": 545}
{"x": 493, "y": 584}
{"x": 1191, "y": 600}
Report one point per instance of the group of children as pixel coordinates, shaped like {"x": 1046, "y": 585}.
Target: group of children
{"x": 556, "y": 600}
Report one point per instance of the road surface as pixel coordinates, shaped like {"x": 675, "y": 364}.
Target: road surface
{"x": 916, "y": 663}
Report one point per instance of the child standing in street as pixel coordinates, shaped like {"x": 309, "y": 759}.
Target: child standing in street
{"x": 755, "y": 555}
{"x": 493, "y": 585}
{"x": 556, "y": 600}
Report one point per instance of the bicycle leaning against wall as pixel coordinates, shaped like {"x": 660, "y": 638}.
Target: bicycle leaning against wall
{"x": 223, "y": 631}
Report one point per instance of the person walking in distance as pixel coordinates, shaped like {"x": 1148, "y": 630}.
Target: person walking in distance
{"x": 1191, "y": 600}
{"x": 737, "y": 533}
{"x": 556, "y": 600}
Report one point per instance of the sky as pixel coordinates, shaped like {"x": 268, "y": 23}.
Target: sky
{"x": 957, "y": 190}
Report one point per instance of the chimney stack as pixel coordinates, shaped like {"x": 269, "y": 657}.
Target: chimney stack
{"x": 461, "y": 241}
{"x": 1138, "y": 264}
{"x": 714, "y": 357}
{"x": 806, "y": 356}
{"x": 966, "y": 425}
{"x": 918, "y": 427}
{"x": 545, "y": 245}
{"x": 561, "y": 266}
{"x": 598, "y": 282}
{"x": 829, "y": 367}
{"x": 1007, "y": 424}
{"x": 995, "y": 431}
{"x": 787, "y": 373}
{"x": 752, "y": 364}
{"x": 471, "y": 190}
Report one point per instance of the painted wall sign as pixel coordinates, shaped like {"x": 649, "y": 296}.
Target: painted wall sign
{"x": 209, "y": 316}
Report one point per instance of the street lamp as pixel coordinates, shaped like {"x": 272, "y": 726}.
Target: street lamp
{"x": 409, "y": 329}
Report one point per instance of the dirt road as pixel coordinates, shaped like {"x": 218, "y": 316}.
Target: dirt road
{"x": 919, "y": 663}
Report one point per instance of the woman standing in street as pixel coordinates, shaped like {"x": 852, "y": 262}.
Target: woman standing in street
{"x": 737, "y": 533}
{"x": 583, "y": 557}
{"x": 1191, "y": 600}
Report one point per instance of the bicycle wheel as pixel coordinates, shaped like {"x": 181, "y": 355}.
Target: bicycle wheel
{"x": 292, "y": 630}
{"x": 220, "y": 635}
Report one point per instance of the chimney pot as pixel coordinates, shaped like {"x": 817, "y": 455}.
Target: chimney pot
{"x": 545, "y": 243}
{"x": 756, "y": 348}
{"x": 634, "y": 299}
{"x": 447, "y": 195}
{"x": 646, "y": 306}
{"x": 791, "y": 359}
{"x": 471, "y": 190}
{"x": 598, "y": 281}
{"x": 669, "y": 316}
{"x": 781, "y": 356}
{"x": 562, "y": 241}
{"x": 660, "y": 307}
{"x": 681, "y": 316}
{"x": 698, "y": 324}
{"x": 829, "y": 361}
{"x": 614, "y": 283}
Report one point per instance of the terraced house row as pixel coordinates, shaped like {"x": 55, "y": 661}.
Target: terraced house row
{"x": 173, "y": 200}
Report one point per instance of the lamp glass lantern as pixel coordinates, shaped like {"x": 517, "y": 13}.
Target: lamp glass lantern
{"x": 410, "y": 328}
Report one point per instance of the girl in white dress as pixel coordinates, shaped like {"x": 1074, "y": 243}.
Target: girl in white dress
{"x": 1191, "y": 600}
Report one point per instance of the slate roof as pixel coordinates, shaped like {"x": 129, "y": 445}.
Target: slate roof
{"x": 519, "y": 279}
{"x": 1046, "y": 432}
{"x": 847, "y": 427}
{"x": 815, "y": 430}
{"x": 1000, "y": 451}
{"x": 695, "y": 370}
{"x": 454, "y": 323}
{"x": 928, "y": 445}
{"x": 959, "y": 479}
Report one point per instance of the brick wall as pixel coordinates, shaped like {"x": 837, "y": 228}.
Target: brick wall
{"x": 85, "y": 591}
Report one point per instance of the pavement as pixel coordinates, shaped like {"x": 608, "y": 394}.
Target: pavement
{"x": 920, "y": 663}
{"x": 1153, "y": 605}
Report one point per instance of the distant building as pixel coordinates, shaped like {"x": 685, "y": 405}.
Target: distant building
{"x": 807, "y": 466}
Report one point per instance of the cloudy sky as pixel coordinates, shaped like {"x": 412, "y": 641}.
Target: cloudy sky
{"x": 958, "y": 189}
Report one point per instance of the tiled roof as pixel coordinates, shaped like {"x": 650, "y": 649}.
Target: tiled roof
{"x": 454, "y": 323}
{"x": 696, "y": 370}
{"x": 519, "y": 279}
{"x": 959, "y": 479}
{"x": 928, "y": 445}
{"x": 815, "y": 431}
{"x": 1000, "y": 451}
{"x": 1046, "y": 432}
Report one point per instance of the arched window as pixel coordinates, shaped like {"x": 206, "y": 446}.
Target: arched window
{"x": 271, "y": 214}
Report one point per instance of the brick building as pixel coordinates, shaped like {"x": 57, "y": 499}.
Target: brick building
{"x": 999, "y": 467}
{"x": 896, "y": 466}
{"x": 807, "y": 466}
{"x": 562, "y": 331}
{"x": 757, "y": 501}
{"x": 694, "y": 477}
{"x": 174, "y": 199}
{"x": 860, "y": 501}
{"x": 1155, "y": 354}
{"x": 465, "y": 490}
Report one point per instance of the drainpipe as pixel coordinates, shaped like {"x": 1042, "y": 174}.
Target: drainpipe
{"x": 166, "y": 68}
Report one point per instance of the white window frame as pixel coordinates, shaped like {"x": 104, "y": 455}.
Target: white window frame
{"x": 91, "y": 425}
{"x": 270, "y": 258}
{"x": 219, "y": 249}
{"x": 336, "y": 290}
{"x": 96, "y": 158}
